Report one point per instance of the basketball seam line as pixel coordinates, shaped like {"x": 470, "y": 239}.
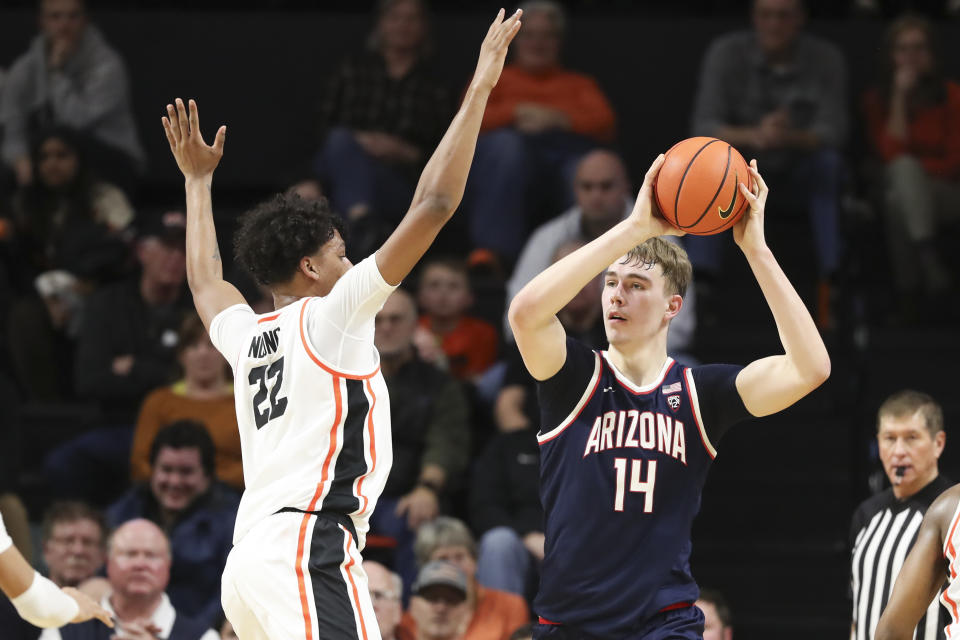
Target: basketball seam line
{"x": 676, "y": 201}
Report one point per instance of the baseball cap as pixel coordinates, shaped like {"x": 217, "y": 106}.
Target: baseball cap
{"x": 440, "y": 573}
{"x": 168, "y": 226}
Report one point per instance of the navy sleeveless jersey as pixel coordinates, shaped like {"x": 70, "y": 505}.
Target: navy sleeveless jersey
{"x": 621, "y": 471}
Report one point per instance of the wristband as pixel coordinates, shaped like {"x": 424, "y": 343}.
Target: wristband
{"x": 44, "y": 605}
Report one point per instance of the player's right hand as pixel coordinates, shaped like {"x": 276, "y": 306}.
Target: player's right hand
{"x": 646, "y": 216}
{"x": 493, "y": 51}
{"x": 89, "y": 609}
{"x": 195, "y": 157}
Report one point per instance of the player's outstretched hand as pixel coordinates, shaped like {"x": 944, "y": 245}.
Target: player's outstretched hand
{"x": 748, "y": 232}
{"x": 646, "y": 215}
{"x": 195, "y": 157}
{"x": 493, "y": 51}
{"x": 89, "y": 609}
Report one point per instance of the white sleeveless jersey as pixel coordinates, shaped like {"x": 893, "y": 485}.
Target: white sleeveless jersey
{"x": 951, "y": 595}
{"x": 312, "y": 405}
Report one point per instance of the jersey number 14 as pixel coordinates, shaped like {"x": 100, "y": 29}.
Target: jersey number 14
{"x": 636, "y": 485}
{"x": 268, "y": 378}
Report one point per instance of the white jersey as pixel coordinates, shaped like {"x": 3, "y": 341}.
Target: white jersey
{"x": 312, "y": 405}
{"x": 951, "y": 595}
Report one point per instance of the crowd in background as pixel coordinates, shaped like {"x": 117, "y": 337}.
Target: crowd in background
{"x": 95, "y": 311}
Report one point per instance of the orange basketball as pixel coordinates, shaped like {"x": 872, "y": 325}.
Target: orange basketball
{"x": 696, "y": 188}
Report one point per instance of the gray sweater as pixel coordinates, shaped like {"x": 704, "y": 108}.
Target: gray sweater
{"x": 90, "y": 93}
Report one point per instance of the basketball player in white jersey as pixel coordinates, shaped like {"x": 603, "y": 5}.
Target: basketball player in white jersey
{"x": 311, "y": 403}
{"x": 38, "y": 600}
{"x": 933, "y": 560}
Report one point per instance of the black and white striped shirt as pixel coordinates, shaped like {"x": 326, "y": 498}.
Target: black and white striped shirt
{"x": 881, "y": 534}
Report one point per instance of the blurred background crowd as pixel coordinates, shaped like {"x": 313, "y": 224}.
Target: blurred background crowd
{"x": 118, "y": 413}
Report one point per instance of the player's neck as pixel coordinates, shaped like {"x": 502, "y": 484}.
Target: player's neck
{"x": 641, "y": 364}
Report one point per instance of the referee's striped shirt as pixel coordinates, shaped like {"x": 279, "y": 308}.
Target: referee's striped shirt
{"x": 882, "y": 532}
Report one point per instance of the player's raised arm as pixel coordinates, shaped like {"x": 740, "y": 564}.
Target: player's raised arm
{"x": 444, "y": 177}
{"x": 533, "y": 311}
{"x": 772, "y": 384}
{"x": 922, "y": 575}
{"x": 198, "y": 160}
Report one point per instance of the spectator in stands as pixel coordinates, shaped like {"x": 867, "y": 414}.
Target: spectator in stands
{"x": 204, "y": 394}
{"x": 718, "y": 622}
{"x": 440, "y": 610}
{"x": 65, "y": 215}
{"x": 469, "y": 343}
{"x": 193, "y": 509}
{"x": 74, "y": 542}
{"x": 74, "y": 538}
{"x": 911, "y": 438}
{"x": 126, "y": 348}
{"x": 431, "y": 433}
{"x": 779, "y": 95}
{"x": 138, "y": 569}
{"x": 603, "y": 198}
{"x": 912, "y": 117}
{"x": 382, "y": 111}
{"x": 386, "y": 589}
{"x": 505, "y": 509}
{"x": 539, "y": 120}
{"x": 65, "y": 237}
{"x": 493, "y": 614}
{"x": 70, "y": 77}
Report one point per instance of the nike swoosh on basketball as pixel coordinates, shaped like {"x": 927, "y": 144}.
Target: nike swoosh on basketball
{"x": 725, "y": 213}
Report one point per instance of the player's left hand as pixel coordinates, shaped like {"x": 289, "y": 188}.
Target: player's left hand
{"x": 195, "y": 157}
{"x": 646, "y": 214}
{"x": 748, "y": 232}
{"x": 420, "y": 506}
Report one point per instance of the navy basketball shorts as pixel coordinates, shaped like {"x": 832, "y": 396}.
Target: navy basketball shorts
{"x": 678, "y": 624}
{"x": 297, "y": 575}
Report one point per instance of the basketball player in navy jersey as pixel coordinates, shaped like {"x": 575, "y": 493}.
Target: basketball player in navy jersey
{"x": 627, "y": 435}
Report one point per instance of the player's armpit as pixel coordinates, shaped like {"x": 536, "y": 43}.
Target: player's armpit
{"x": 918, "y": 583}
{"x": 772, "y": 384}
{"x": 213, "y": 297}
{"x": 544, "y": 347}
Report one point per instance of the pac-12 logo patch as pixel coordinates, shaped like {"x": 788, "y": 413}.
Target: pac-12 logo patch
{"x": 674, "y": 402}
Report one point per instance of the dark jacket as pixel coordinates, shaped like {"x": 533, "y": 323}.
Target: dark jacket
{"x": 506, "y": 484}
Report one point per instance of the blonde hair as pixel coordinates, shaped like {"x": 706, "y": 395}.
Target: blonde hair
{"x": 673, "y": 261}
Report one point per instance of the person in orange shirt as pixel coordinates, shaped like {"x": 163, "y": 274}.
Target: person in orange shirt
{"x": 205, "y": 394}
{"x": 469, "y": 343}
{"x": 493, "y": 614}
{"x": 912, "y": 118}
{"x": 541, "y": 118}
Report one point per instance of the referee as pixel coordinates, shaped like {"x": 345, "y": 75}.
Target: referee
{"x": 911, "y": 438}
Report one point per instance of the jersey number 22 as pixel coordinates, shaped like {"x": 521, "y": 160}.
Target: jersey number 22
{"x": 263, "y": 376}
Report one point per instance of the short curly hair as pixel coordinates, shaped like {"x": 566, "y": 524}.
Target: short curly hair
{"x": 273, "y": 236}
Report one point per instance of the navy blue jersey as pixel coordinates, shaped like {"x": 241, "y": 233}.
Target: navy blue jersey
{"x": 621, "y": 471}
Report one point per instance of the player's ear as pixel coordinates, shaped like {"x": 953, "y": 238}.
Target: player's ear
{"x": 674, "y": 304}
{"x": 939, "y": 441}
{"x": 309, "y": 268}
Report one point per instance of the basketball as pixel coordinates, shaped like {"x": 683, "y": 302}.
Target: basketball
{"x": 696, "y": 188}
